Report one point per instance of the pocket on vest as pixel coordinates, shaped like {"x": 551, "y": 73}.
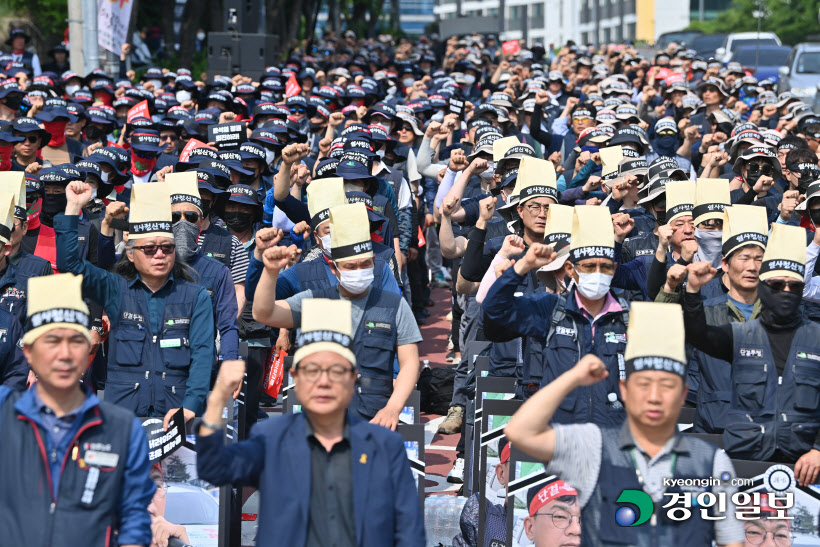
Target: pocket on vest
{"x": 130, "y": 343}
{"x": 807, "y": 388}
{"x": 747, "y": 440}
{"x": 122, "y": 393}
{"x": 176, "y": 352}
{"x": 750, "y": 387}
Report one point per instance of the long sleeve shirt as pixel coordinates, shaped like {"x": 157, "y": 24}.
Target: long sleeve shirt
{"x": 104, "y": 288}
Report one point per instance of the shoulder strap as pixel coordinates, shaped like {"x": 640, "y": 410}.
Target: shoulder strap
{"x": 624, "y": 311}
{"x": 558, "y": 314}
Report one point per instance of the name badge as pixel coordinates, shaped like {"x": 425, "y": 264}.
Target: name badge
{"x": 95, "y": 458}
{"x": 170, "y": 343}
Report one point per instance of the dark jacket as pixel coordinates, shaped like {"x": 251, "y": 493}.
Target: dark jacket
{"x": 31, "y": 513}
{"x": 276, "y": 460}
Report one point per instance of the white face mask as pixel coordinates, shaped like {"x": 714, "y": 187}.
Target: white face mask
{"x": 356, "y": 281}
{"x": 269, "y": 156}
{"x": 325, "y": 245}
{"x": 710, "y": 246}
{"x": 488, "y": 173}
{"x": 351, "y": 187}
{"x": 438, "y": 116}
{"x": 200, "y": 36}
{"x": 380, "y": 153}
{"x": 469, "y": 79}
{"x": 157, "y": 84}
{"x": 104, "y": 176}
{"x": 408, "y": 82}
{"x": 183, "y": 96}
{"x": 93, "y": 193}
{"x": 594, "y": 285}
{"x": 70, "y": 89}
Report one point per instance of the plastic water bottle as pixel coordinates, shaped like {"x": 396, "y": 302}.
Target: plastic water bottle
{"x": 441, "y": 516}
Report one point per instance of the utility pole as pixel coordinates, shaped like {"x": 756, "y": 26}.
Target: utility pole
{"x": 91, "y": 48}
{"x": 75, "y": 36}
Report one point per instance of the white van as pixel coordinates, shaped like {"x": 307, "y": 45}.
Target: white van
{"x": 737, "y": 39}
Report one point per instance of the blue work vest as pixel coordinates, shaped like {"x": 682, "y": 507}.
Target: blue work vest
{"x": 218, "y": 244}
{"x": 374, "y": 345}
{"x": 618, "y": 474}
{"x": 569, "y": 339}
{"x": 768, "y": 413}
{"x": 30, "y": 516}
{"x": 143, "y": 376}
{"x": 315, "y": 275}
{"x": 209, "y": 271}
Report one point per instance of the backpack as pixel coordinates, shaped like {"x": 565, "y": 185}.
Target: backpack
{"x": 436, "y": 389}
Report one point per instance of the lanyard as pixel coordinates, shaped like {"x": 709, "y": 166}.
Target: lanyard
{"x": 638, "y": 471}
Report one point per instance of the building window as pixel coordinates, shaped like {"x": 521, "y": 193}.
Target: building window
{"x": 630, "y": 31}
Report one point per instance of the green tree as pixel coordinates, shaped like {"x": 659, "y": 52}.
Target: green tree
{"x": 46, "y": 20}
{"x": 792, "y": 20}
{"x": 176, "y": 470}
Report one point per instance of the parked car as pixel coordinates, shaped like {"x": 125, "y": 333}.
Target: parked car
{"x": 763, "y": 61}
{"x": 679, "y": 37}
{"x": 706, "y": 44}
{"x": 197, "y": 510}
{"x": 801, "y": 73}
{"x": 740, "y": 39}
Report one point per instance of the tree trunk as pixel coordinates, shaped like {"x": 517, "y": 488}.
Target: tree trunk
{"x": 187, "y": 32}
{"x": 167, "y": 25}
{"x": 332, "y": 16}
{"x": 395, "y": 16}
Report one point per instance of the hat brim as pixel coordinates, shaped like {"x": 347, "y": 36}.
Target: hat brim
{"x": 50, "y": 116}
{"x": 143, "y": 147}
{"x": 32, "y": 335}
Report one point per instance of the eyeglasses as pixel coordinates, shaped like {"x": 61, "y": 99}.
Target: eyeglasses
{"x": 170, "y": 137}
{"x": 781, "y": 538}
{"x": 311, "y": 373}
{"x": 755, "y": 168}
{"x": 31, "y": 138}
{"x": 406, "y": 128}
{"x": 581, "y": 120}
{"x": 297, "y": 110}
{"x": 794, "y": 287}
{"x": 561, "y": 519}
{"x": 537, "y": 208}
{"x": 592, "y": 267}
{"x": 190, "y": 216}
{"x": 162, "y": 490}
{"x": 151, "y": 250}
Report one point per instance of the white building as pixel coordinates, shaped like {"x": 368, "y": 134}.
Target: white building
{"x": 584, "y": 21}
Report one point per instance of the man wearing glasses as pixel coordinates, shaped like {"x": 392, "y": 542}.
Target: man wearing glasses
{"x": 345, "y": 479}
{"x": 561, "y": 329}
{"x": 555, "y": 515}
{"x": 768, "y": 532}
{"x": 775, "y": 404}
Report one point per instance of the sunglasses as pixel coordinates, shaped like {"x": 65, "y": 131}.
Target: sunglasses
{"x": 407, "y": 128}
{"x": 31, "y": 138}
{"x": 151, "y": 250}
{"x": 297, "y": 110}
{"x": 168, "y": 138}
{"x": 144, "y": 155}
{"x": 190, "y": 216}
{"x": 755, "y": 168}
{"x": 794, "y": 287}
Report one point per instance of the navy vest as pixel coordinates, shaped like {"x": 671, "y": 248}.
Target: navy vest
{"x": 374, "y": 345}
{"x": 571, "y": 339}
{"x": 30, "y": 516}
{"x": 770, "y": 413}
{"x": 217, "y": 244}
{"x": 143, "y": 376}
{"x": 618, "y": 474}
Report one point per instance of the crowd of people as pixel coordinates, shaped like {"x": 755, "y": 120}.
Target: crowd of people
{"x": 630, "y": 235}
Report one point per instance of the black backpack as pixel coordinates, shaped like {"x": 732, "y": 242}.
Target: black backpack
{"x": 436, "y": 389}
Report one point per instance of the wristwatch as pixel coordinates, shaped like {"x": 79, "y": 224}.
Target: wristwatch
{"x": 213, "y": 427}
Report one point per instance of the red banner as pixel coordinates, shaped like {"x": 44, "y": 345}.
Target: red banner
{"x": 292, "y": 88}
{"x": 510, "y": 47}
{"x": 140, "y": 110}
{"x": 274, "y": 372}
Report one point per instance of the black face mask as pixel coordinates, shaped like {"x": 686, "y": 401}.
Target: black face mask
{"x": 206, "y": 207}
{"x": 13, "y": 101}
{"x": 53, "y": 204}
{"x": 94, "y": 133}
{"x": 247, "y": 179}
{"x": 238, "y": 221}
{"x": 780, "y": 309}
{"x": 815, "y": 216}
{"x": 315, "y": 127}
{"x": 752, "y": 178}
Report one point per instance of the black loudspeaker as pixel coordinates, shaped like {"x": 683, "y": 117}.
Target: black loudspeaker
{"x": 245, "y": 16}
{"x": 247, "y": 54}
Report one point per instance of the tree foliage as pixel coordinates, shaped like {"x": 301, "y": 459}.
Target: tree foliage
{"x": 792, "y": 20}
{"x": 48, "y": 19}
